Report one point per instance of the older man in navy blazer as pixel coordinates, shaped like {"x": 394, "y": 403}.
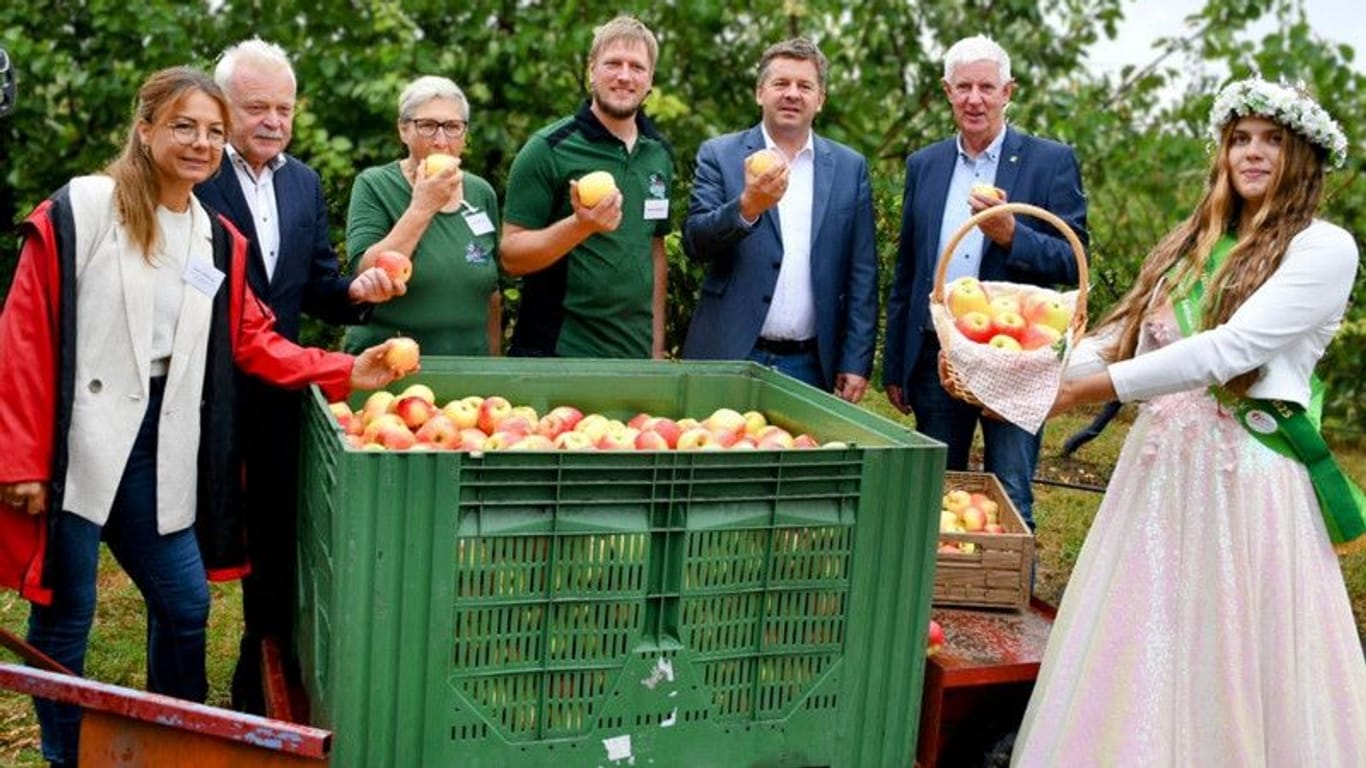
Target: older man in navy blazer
{"x": 791, "y": 268}
{"x": 277, "y": 202}
{"x": 938, "y": 199}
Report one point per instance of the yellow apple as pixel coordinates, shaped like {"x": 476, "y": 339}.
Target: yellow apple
{"x": 437, "y": 162}
{"x": 966, "y": 295}
{"x": 987, "y": 190}
{"x": 594, "y": 187}
{"x": 759, "y": 162}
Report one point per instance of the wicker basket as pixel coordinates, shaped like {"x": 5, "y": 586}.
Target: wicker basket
{"x": 996, "y": 574}
{"x": 952, "y": 381}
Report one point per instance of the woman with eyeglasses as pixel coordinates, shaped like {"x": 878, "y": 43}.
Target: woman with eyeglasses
{"x": 122, "y": 336}
{"x": 444, "y": 219}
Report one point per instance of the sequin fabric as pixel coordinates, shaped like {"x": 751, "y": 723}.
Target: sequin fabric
{"x": 1206, "y": 622}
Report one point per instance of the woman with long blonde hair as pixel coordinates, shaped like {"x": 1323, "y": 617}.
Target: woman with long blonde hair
{"x": 1206, "y": 621}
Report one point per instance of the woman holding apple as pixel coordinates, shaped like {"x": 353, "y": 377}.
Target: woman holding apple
{"x": 119, "y": 352}
{"x": 443, "y": 219}
{"x": 1206, "y": 621}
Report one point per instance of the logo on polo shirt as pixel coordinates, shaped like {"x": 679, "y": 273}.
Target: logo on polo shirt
{"x": 475, "y": 254}
{"x": 656, "y": 186}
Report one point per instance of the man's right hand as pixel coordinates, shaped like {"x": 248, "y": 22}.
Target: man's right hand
{"x": 374, "y": 286}
{"x": 895, "y": 397}
{"x": 603, "y": 217}
{"x": 763, "y": 190}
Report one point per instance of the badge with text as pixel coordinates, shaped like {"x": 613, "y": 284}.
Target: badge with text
{"x": 479, "y": 222}
{"x": 204, "y": 276}
{"x": 656, "y": 209}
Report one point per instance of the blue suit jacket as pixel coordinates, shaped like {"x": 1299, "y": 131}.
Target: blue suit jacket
{"x": 743, "y": 262}
{"x": 1032, "y": 170}
{"x": 307, "y": 278}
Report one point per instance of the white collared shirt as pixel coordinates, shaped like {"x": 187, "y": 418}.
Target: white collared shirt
{"x": 792, "y": 312}
{"x": 260, "y": 195}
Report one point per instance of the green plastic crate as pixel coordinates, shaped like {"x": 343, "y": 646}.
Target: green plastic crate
{"x": 596, "y": 609}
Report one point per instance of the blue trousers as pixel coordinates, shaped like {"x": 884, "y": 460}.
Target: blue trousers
{"x": 802, "y": 366}
{"x": 167, "y": 570}
{"x": 1009, "y": 452}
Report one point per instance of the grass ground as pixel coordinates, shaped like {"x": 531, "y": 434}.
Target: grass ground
{"x": 1064, "y": 515}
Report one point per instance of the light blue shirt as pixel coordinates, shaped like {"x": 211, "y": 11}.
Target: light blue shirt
{"x": 967, "y": 171}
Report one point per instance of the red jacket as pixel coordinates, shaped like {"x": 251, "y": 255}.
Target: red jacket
{"x": 37, "y": 354}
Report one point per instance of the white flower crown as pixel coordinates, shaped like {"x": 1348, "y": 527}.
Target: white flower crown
{"x": 1290, "y": 107}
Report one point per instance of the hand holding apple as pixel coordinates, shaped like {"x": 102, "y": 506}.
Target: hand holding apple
{"x": 382, "y": 364}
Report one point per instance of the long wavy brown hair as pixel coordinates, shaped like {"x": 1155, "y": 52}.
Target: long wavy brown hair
{"x": 136, "y": 189}
{"x": 1291, "y": 199}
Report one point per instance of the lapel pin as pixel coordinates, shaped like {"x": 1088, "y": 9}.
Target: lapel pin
{"x": 1013, "y": 158}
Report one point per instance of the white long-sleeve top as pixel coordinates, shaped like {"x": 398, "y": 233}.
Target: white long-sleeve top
{"x": 1282, "y": 329}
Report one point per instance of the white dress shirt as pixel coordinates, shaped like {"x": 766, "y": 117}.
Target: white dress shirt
{"x": 260, "y": 195}
{"x": 967, "y": 171}
{"x": 792, "y": 313}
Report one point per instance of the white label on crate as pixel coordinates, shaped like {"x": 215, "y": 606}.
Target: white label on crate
{"x": 618, "y": 747}
{"x": 670, "y": 720}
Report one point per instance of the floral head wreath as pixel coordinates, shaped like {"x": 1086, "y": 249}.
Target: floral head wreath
{"x": 1291, "y": 107}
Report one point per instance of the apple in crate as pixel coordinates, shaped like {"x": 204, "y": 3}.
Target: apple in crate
{"x": 462, "y": 412}
{"x": 934, "y": 641}
{"x": 414, "y": 411}
{"x": 439, "y": 431}
{"x": 666, "y": 428}
{"x": 568, "y": 414}
{"x": 573, "y": 441}
{"x": 492, "y": 411}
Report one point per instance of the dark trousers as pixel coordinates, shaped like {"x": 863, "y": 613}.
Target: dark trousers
{"x": 167, "y": 570}
{"x": 802, "y": 366}
{"x": 268, "y": 592}
{"x": 1009, "y": 452}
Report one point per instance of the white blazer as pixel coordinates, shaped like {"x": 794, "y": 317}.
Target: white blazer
{"x": 114, "y": 288}
{"x": 1282, "y": 329}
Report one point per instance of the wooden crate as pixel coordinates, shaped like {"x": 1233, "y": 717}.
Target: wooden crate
{"x": 996, "y": 573}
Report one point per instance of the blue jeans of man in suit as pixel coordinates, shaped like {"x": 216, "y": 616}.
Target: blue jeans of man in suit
{"x": 802, "y": 366}
{"x": 1010, "y": 452}
{"x": 166, "y": 569}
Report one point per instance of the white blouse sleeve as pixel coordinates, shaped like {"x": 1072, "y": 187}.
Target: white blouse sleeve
{"x": 1307, "y": 293}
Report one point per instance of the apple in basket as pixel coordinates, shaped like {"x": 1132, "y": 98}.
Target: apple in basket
{"x": 1038, "y": 335}
{"x": 976, "y": 326}
{"x": 1048, "y": 311}
{"x": 1004, "y": 343}
{"x": 966, "y": 295}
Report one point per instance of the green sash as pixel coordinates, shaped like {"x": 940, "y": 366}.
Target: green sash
{"x": 1284, "y": 427}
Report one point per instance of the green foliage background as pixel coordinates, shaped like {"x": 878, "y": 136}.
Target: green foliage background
{"x": 1139, "y": 134}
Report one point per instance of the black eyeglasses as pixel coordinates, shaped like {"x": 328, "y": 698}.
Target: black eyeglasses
{"x": 187, "y": 133}
{"x": 427, "y": 129}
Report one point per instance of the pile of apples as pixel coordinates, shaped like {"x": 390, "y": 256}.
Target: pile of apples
{"x": 411, "y": 420}
{"x": 965, "y": 512}
{"x": 1026, "y": 320}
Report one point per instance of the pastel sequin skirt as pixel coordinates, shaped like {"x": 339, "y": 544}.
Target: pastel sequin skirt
{"x": 1206, "y": 622}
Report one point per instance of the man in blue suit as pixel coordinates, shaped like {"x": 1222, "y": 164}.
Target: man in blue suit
{"x": 277, "y": 202}
{"x": 791, "y": 268}
{"x": 1020, "y": 250}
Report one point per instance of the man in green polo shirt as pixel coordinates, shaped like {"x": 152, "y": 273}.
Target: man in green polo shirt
{"x": 594, "y": 278}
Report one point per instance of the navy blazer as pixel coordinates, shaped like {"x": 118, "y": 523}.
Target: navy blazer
{"x": 1032, "y": 170}
{"x": 307, "y": 278}
{"x": 743, "y": 261}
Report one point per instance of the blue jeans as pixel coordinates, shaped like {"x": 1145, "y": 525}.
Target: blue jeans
{"x": 1010, "y": 452}
{"x": 166, "y": 569}
{"x": 802, "y": 366}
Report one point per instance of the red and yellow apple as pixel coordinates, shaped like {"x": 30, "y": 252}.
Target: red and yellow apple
{"x": 395, "y": 264}
{"x": 403, "y": 355}
{"x": 966, "y": 295}
{"x": 492, "y": 411}
{"x": 462, "y": 412}
{"x": 988, "y": 190}
{"x": 1049, "y": 311}
{"x": 573, "y": 440}
{"x": 976, "y": 326}
{"x": 437, "y": 162}
{"x": 1038, "y": 336}
{"x": 414, "y": 411}
{"x": 759, "y": 162}
{"x": 439, "y": 431}
{"x": 1009, "y": 324}
{"x": 1004, "y": 343}
{"x": 594, "y": 187}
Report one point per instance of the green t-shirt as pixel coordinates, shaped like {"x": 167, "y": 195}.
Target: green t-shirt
{"x": 454, "y": 271}
{"x": 597, "y": 301}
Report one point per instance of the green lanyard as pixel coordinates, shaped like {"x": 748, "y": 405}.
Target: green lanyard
{"x": 1285, "y": 427}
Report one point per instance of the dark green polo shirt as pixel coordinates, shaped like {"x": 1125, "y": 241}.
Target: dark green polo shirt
{"x": 597, "y": 301}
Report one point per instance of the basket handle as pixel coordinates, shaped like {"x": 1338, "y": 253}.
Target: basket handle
{"x": 1083, "y": 276}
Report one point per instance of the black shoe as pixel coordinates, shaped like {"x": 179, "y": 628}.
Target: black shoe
{"x": 248, "y": 694}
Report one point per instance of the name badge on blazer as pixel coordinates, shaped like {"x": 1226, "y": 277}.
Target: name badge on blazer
{"x": 203, "y": 276}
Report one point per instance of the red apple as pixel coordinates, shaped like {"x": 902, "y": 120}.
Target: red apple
{"x": 419, "y": 390}
{"x": 1008, "y": 323}
{"x": 1038, "y": 336}
{"x": 773, "y": 438}
{"x": 638, "y": 421}
{"x": 745, "y": 443}
{"x": 414, "y": 411}
{"x": 985, "y": 503}
{"x": 395, "y": 437}
{"x": 618, "y": 437}
{"x": 372, "y": 429}
{"x": 440, "y": 431}
{"x": 395, "y": 264}
{"x": 966, "y": 295}
{"x": 935, "y": 639}
{"x": 403, "y": 355}
{"x": 666, "y": 427}
{"x": 493, "y": 410}
{"x": 471, "y": 439}
{"x": 974, "y": 519}
{"x": 650, "y": 440}
{"x": 1005, "y": 343}
{"x": 993, "y": 528}
{"x": 568, "y": 414}
{"x": 515, "y": 422}
{"x": 550, "y": 425}
{"x": 805, "y": 441}
{"x": 976, "y": 326}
